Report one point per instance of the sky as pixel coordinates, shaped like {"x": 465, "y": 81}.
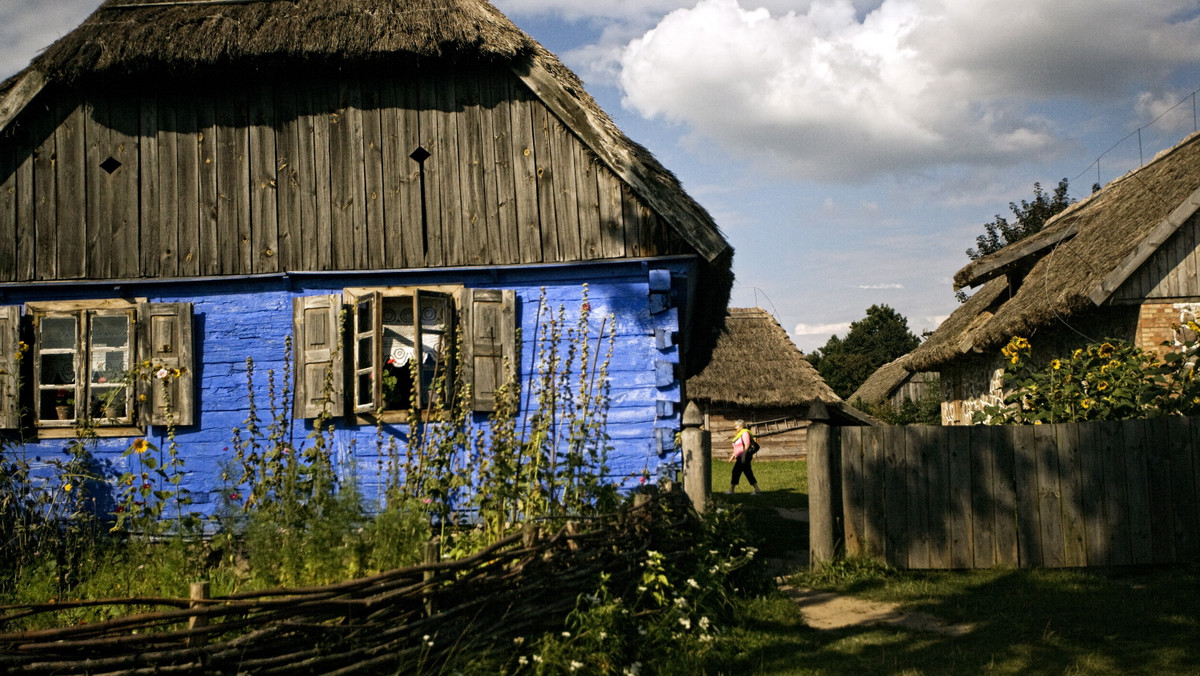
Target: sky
{"x": 851, "y": 150}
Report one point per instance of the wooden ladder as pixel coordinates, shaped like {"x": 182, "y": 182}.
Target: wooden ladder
{"x": 765, "y": 428}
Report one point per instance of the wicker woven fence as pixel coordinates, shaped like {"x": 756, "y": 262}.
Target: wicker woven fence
{"x": 403, "y": 621}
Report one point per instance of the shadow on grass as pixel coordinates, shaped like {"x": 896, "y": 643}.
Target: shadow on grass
{"x": 1022, "y": 622}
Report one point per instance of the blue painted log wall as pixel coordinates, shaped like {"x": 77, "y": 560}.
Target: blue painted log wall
{"x": 236, "y": 319}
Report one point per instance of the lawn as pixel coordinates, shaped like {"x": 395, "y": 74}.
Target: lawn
{"x": 1142, "y": 621}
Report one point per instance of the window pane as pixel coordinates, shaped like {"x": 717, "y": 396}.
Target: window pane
{"x": 108, "y": 367}
{"x": 366, "y": 356}
{"x": 58, "y": 368}
{"x": 364, "y": 315}
{"x": 366, "y": 392}
{"x": 108, "y": 331}
{"x": 58, "y": 333}
{"x": 57, "y": 404}
{"x": 107, "y": 402}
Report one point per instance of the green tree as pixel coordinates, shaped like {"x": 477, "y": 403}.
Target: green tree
{"x": 871, "y": 342}
{"x": 1029, "y": 217}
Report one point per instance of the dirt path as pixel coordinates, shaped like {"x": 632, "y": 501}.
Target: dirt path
{"x": 828, "y": 610}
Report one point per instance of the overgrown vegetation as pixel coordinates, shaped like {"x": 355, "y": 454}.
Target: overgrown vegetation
{"x": 925, "y": 411}
{"x": 1108, "y": 380}
{"x": 289, "y": 514}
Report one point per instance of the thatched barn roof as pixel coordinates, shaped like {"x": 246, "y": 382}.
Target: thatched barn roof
{"x": 880, "y": 385}
{"x": 136, "y": 40}
{"x": 755, "y": 364}
{"x": 1076, "y": 263}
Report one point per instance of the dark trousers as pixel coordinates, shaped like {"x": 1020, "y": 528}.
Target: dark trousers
{"x": 741, "y": 465}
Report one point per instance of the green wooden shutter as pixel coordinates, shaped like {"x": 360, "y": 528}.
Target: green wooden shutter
{"x": 10, "y": 341}
{"x": 489, "y": 340}
{"x": 166, "y": 340}
{"x": 319, "y": 372}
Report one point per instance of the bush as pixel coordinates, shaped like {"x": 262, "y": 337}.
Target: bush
{"x": 1108, "y": 380}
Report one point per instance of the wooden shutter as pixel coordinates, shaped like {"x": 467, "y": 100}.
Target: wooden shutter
{"x": 10, "y": 341}
{"x": 166, "y": 339}
{"x": 316, "y": 326}
{"x": 489, "y": 339}
{"x": 368, "y": 352}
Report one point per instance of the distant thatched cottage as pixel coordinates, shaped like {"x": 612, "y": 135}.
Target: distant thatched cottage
{"x": 757, "y": 374}
{"x": 193, "y": 183}
{"x": 894, "y": 384}
{"x": 1122, "y": 263}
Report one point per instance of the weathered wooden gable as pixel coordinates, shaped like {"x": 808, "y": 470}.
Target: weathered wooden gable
{"x": 428, "y": 169}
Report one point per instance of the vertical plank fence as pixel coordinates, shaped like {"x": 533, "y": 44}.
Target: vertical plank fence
{"x": 1064, "y": 495}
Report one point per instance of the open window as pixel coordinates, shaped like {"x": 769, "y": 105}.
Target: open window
{"x": 402, "y": 349}
{"x": 84, "y": 361}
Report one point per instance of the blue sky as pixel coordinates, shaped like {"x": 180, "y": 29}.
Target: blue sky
{"x": 851, "y": 150}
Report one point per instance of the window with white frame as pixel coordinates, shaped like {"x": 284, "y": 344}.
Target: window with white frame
{"x": 403, "y": 348}
{"x": 83, "y": 364}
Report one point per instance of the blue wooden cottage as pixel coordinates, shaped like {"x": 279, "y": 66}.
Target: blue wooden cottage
{"x": 190, "y": 184}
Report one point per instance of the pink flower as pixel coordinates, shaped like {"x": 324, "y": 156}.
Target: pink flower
{"x": 162, "y": 373}
{"x": 235, "y": 496}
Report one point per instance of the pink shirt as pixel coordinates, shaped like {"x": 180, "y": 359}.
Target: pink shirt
{"x": 741, "y": 441}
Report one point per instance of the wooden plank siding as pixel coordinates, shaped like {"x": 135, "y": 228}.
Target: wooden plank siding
{"x": 271, "y": 177}
{"x": 1094, "y": 494}
{"x": 1171, "y": 272}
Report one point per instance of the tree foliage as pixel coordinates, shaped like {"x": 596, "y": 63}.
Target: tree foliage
{"x": 880, "y": 337}
{"x": 1028, "y": 218}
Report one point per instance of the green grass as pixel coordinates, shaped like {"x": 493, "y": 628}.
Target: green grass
{"x": 1022, "y": 621}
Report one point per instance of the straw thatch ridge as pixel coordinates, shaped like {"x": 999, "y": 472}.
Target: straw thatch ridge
{"x": 1070, "y": 274}
{"x": 882, "y": 383}
{"x": 149, "y": 39}
{"x": 958, "y": 330}
{"x": 756, "y": 364}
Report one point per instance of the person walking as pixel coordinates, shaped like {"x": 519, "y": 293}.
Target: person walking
{"x": 743, "y": 452}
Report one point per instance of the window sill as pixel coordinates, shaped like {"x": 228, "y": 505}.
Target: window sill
{"x": 101, "y": 432}
{"x": 399, "y": 417}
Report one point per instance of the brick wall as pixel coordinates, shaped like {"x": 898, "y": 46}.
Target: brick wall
{"x": 1157, "y": 322}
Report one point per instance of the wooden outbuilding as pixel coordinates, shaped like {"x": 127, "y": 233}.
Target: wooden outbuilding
{"x": 1122, "y": 263}
{"x": 757, "y": 374}
{"x": 193, "y": 184}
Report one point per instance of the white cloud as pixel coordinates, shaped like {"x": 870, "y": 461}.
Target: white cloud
{"x": 832, "y": 92}
{"x": 880, "y": 286}
{"x": 821, "y": 329}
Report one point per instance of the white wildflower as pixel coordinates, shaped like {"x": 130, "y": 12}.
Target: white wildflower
{"x": 537, "y": 658}
{"x": 522, "y": 660}
{"x": 693, "y": 584}
{"x": 687, "y": 623}
{"x": 566, "y": 634}
{"x": 704, "y": 623}
{"x": 681, "y": 602}
{"x": 576, "y": 665}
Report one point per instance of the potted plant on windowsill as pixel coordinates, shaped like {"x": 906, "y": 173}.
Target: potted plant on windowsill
{"x": 64, "y": 405}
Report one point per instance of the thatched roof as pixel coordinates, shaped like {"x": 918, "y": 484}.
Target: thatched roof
{"x": 880, "y": 385}
{"x": 145, "y": 40}
{"x": 755, "y": 364}
{"x": 1073, "y": 265}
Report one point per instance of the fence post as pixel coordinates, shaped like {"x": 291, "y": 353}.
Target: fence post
{"x": 430, "y": 554}
{"x": 199, "y": 593}
{"x": 824, "y": 499}
{"x": 697, "y": 458}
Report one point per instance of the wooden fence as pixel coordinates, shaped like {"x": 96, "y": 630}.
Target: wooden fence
{"x": 1064, "y": 495}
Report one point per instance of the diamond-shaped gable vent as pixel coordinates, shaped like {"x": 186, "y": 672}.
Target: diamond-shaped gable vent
{"x": 110, "y": 165}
